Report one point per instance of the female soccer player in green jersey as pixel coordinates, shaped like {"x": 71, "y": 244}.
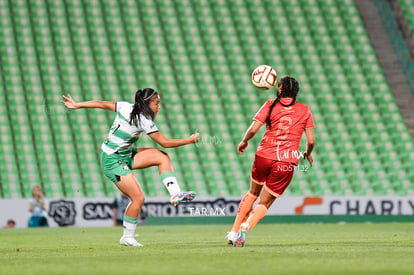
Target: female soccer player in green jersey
{"x": 119, "y": 156}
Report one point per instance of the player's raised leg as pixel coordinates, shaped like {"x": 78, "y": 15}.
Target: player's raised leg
{"x": 147, "y": 157}
{"x": 129, "y": 185}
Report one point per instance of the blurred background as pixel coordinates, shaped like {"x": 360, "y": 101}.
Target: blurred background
{"x": 353, "y": 60}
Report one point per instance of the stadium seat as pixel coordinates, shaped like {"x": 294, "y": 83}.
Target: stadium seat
{"x": 201, "y": 64}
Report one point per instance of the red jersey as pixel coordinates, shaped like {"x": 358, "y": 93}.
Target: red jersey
{"x": 281, "y": 142}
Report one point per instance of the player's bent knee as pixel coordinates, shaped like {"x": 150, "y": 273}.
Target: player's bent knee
{"x": 139, "y": 199}
{"x": 164, "y": 157}
{"x": 165, "y": 154}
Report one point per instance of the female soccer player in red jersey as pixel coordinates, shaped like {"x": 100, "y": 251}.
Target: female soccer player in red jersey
{"x": 276, "y": 157}
{"x": 119, "y": 156}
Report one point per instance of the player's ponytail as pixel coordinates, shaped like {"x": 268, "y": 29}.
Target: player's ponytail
{"x": 142, "y": 99}
{"x": 289, "y": 88}
{"x": 268, "y": 122}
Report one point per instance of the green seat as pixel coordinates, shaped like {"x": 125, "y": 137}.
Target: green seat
{"x": 199, "y": 55}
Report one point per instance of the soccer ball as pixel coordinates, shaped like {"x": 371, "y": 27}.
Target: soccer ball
{"x": 264, "y": 77}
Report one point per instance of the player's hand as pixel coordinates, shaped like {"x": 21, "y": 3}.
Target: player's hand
{"x": 69, "y": 102}
{"x": 309, "y": 158}
{"x": 242, "y": 145}
{"x": 196, "y": 137}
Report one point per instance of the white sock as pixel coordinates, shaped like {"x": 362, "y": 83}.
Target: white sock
{"x": 170, "y": 183}
{"x": 129, "y": 229}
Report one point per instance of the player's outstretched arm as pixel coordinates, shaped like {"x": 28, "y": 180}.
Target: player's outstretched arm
{"x": 70, "y": 103}
{"x": 159, "y": 138}
{"x": 250, "y": 133}
{"x": 310, "y": 145}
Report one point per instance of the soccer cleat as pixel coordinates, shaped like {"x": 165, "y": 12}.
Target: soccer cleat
{"x": 241, "y": 236}
{"x": 182, "y": 197}
{"x": 129, "y": 241}
{"x": 231, "y": 237}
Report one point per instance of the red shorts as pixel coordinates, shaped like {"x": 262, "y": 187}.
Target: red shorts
{"x": 275, "y": 175}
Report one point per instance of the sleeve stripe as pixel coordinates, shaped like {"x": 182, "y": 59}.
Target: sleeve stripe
{"x": 257, "y": 120}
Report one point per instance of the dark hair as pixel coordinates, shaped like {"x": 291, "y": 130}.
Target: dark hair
{"x": 290, "y": 88}
{"x": 142, "y": 99}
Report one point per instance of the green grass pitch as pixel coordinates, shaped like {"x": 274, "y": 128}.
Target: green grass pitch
{"x": 354, "y": 248}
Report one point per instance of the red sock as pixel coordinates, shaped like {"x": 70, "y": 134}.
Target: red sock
{"x": 245, "y": 207}
{"x": 258, "y": 213}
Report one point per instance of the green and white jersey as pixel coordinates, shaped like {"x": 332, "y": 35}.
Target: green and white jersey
{"x": 122, "y": 134}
